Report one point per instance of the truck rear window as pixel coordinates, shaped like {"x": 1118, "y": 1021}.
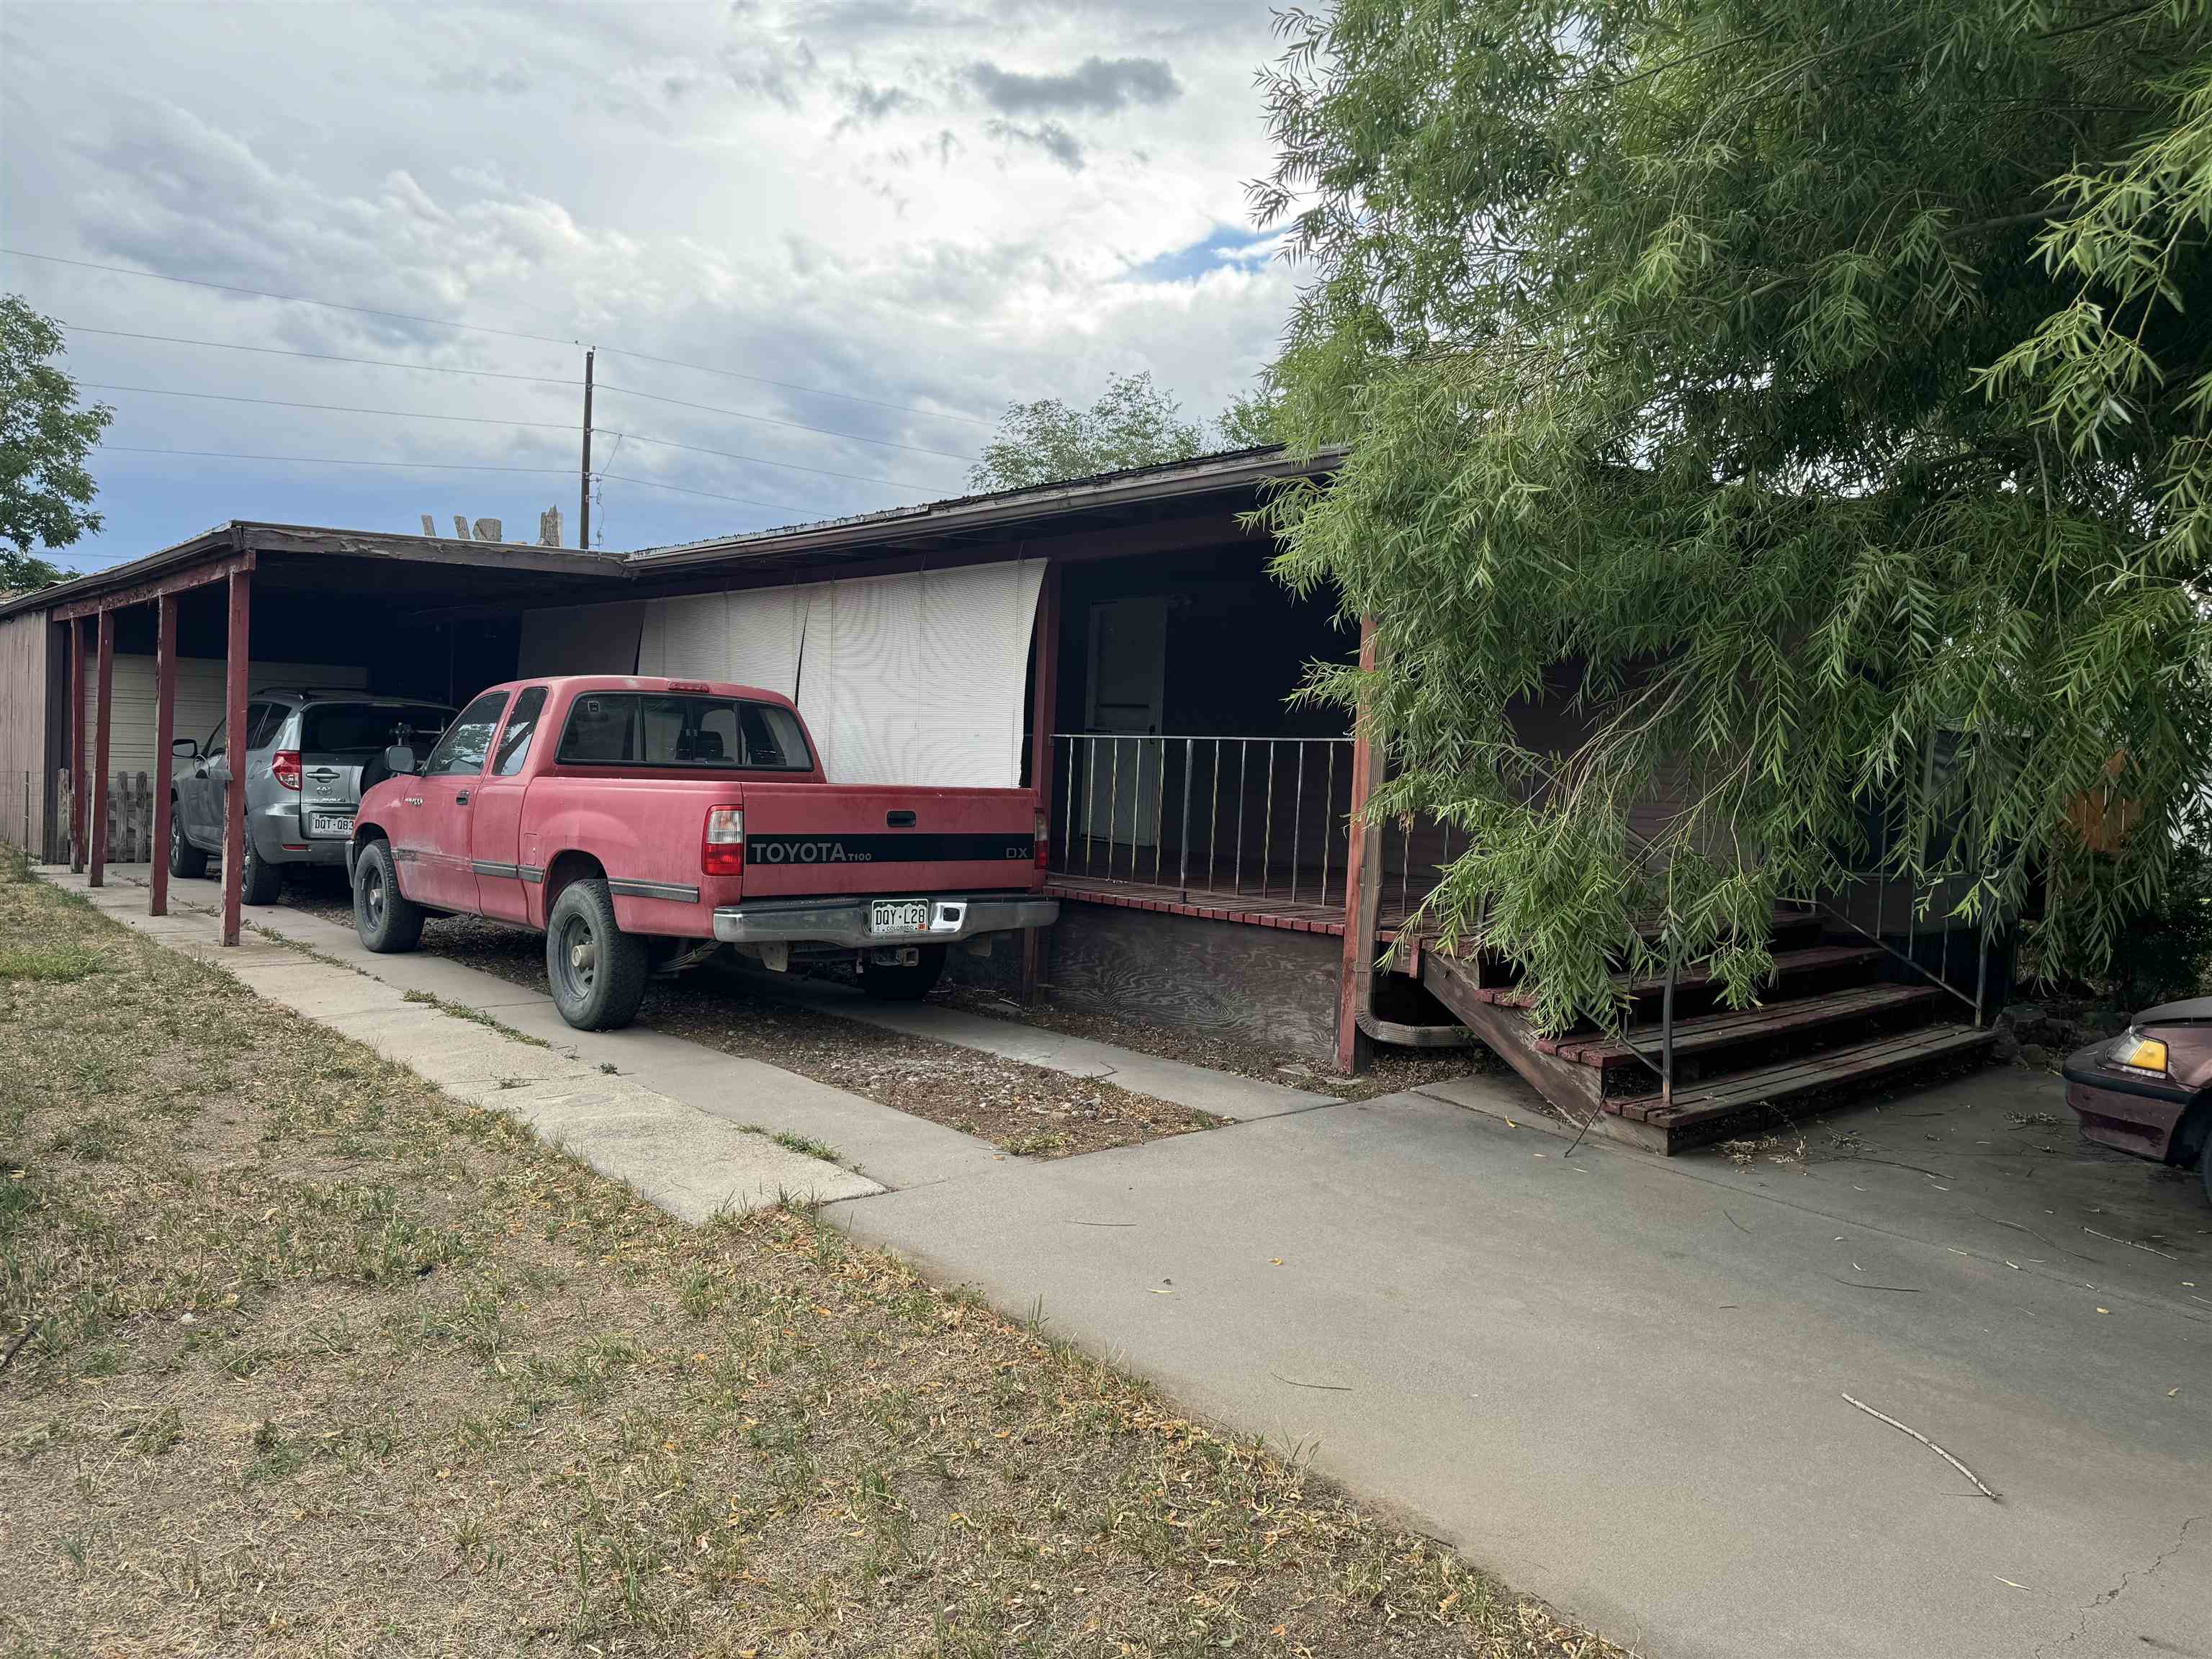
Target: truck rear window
{"x": 645, "y": 728}
{"x": 342, "y": 728}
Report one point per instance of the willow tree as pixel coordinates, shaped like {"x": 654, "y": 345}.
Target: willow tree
{"x": 1814, "y": 390}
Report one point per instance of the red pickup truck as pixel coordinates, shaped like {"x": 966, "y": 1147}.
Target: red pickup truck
{"x": 641, "y": 824}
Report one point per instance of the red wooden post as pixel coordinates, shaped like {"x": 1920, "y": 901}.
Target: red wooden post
{"x": 165, "y": 733}
{"x": 1363, "y": 880}
{"x": 102, "y": 785}
{"x": 237, "y": 651}
{"x": 1044, "y": 715}
{"x": 77, "y": 638}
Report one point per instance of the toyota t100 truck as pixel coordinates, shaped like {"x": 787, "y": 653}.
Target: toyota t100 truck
{"x": 642, "y": 824}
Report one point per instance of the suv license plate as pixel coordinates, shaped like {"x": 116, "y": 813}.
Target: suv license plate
{"x": 329, "y": 823}
{"x": 898, "y": 916}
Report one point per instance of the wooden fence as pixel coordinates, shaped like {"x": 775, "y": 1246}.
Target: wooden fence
{"x": 129, "y": 816}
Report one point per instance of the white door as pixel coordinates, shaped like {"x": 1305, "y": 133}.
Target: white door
{"x": 1124, "y": 693}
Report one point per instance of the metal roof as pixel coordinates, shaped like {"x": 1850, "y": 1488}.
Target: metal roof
{"x": 1131, "y": 489}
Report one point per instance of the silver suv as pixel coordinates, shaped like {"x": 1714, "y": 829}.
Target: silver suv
{"x": 306, "y": 751}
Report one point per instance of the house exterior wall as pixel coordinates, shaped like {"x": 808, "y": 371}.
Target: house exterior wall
{"x": 29, "y": 656}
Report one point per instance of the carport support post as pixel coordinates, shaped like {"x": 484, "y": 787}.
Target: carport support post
{"x": 77, "y": 746}
{"x": 165, "y": 734}
{"x": 1044, "y": 715}
{"x": 1363, "y": 880}
{"x": 101, "y": 787}
{"x": 237, "y": 651}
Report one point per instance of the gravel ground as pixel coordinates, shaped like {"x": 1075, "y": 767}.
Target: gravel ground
{"x": 1024, "y": 1109}
{"x": 1390, "y": 1070}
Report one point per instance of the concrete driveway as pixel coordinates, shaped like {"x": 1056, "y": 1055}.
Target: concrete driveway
{"x": 1618, "y": 1381}
{"x": 1615, "y": 1379}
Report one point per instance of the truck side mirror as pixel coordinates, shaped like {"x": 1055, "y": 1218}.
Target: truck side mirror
{"x": 400, "y": 759}
{"x": 184, "y": 748}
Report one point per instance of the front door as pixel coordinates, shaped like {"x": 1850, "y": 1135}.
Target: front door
{"x": 199, "y": 791}
{"x": 431, "y": 831}
{"x": 1125, "y": 693}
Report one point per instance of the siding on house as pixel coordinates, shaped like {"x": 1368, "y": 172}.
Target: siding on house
{"x": 199, "y": 701}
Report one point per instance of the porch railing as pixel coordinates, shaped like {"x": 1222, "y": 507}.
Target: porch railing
{"x": 1248, "y": 816}
{"x": 1266, "y": 819}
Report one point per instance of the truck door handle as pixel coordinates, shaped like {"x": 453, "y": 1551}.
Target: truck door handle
{"x": 461, "y": 800}
{"x": 899, "y": 820}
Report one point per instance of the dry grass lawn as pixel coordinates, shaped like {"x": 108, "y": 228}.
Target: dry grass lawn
{"x": 318, "y": 1362}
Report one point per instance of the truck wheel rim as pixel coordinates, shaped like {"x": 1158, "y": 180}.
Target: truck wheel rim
{"x": 372, "y": 894}
{"x": 580, "y": 952}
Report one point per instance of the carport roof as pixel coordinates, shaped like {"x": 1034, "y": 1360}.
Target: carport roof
{"x": 431, "y": 568}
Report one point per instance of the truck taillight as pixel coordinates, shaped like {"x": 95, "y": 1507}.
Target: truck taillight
{"x": 1043, "y": 845}
{"x": 722, "y": 850}
{"x": 284, "y": 767}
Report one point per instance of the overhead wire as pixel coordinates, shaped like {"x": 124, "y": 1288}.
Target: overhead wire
{"x": 494, "y": 420}
{"x": 482, "y": 328}
{"x": 496, "y": 375}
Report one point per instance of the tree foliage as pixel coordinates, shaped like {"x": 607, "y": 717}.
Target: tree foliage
{"x": 46, "y": 492}
{"x": 1134, "y": 423}
{"x": 1813, "y": 393}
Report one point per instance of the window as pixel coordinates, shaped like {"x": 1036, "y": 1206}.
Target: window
{"x": 462, "y": 749}
{"x": 629, "y": 728}
{"x": 522, "y": 726}
{"x": 368, "y": 728}
{"x": 262, "y": 719}
{"x": 214, "y": 746}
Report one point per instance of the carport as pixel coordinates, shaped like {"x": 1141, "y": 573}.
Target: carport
{"x": 413, "y": 614}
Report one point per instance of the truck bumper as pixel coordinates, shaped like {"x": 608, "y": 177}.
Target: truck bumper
{"x": 845, "y": 922}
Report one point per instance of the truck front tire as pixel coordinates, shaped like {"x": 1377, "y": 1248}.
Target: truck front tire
{"x": 386, "y": 919}
{"x": 886, "y": 983}
{"x": 597, "y": 971}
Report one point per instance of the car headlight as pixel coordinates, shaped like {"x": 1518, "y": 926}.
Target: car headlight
{"x": 2136, "y": 1053}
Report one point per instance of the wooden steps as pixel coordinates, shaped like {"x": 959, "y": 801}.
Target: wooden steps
{"x": 1829, "y": 1024}
{"x": 1788, "y": 965}
{"x": 1707, "y": 1034}
{"x": 1709, "y": 1110}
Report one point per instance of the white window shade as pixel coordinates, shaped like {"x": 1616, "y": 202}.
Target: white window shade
{"x": 902, "y": 679}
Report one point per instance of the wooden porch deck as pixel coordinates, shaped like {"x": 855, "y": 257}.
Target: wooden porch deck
{"x": 1277, "y": 904}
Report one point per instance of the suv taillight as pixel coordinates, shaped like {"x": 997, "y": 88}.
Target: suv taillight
{"x": 1043, "y": 845}
{"x": 284, "y": 767}
{"x": 722, "y": 848}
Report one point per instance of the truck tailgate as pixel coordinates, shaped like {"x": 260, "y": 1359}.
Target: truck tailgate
{"x": 803, "y": 839}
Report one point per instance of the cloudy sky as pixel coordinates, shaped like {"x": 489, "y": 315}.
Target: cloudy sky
{"x": 930, "y": 207}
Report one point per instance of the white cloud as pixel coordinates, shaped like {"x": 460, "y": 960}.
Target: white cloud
{"x": 832, "y": 195}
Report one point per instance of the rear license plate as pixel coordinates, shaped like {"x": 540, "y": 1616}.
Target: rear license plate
{"x": 898, "y": 916}
{"x": 330, "y": 824}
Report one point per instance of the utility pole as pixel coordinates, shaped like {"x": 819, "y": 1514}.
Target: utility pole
{"x": 584, "y": 502}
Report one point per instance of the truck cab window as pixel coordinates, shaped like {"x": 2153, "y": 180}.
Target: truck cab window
{"x": 522, "y": 726}
{"x": 468, "y": 739}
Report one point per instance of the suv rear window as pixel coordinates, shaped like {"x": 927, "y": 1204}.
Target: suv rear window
{"x": 344, "y": 728}
{"x": 645, "y": 728}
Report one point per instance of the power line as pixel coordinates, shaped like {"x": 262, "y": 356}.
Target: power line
{"x": 334, "y": 409}
{"x": 738, "y": 414}
{"x": 761, "y": 380}
{"x": 540, "y": 379}
{"x": 493, "y": 420}
{"x": 480, "y": 328}
{"x": 293, "y": 299}
{"x": 446, "y": 466}
{"x": 318, "y": 357}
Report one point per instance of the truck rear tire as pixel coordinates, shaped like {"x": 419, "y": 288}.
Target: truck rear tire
{"x": 597, "y": 971}
{"x": 893, "y": 984}
{"x": 386, "y": 919}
